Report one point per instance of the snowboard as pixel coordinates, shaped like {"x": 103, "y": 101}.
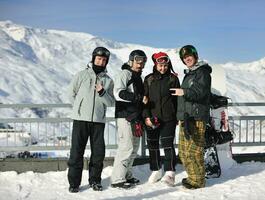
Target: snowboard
{"x": 212, "y": 165}
{"x": 218, "y": 157}
{"x": 218, "y": 125}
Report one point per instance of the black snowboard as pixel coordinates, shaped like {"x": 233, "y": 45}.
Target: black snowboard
{"x": 211, "y": 162}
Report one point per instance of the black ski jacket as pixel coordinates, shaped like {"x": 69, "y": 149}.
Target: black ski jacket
{"x": 161, "y": 103}
{"x": 128, "y": 92}
{"x": 197, "y": 91}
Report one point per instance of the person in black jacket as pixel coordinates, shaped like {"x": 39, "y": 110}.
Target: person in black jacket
{"x": 193, "y": 113}
{"x": 160, "y": 117}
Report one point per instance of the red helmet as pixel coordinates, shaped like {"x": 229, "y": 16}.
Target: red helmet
{"x": 160, "y": 58}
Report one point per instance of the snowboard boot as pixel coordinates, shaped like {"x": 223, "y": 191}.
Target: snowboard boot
{"x": 96, "y": 186}
{"x": 133, "y": 180}
{"x": 184, "y": 180}
{"x": 155, "y": 176}
{"x": 187, "y": 185}
{"x": 73, "y": 189}
{"x": 169, "y": 178}
{"x": 123, "y": 185}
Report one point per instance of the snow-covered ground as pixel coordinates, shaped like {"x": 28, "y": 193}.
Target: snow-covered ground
{"x": 241, "y": 182}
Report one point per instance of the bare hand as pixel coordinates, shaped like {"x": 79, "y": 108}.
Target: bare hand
{"x": 148, "y": 122}
{"x": 177, "y": 91}
{"x": 145, "y": 100}
{"x": 98, "y": 87}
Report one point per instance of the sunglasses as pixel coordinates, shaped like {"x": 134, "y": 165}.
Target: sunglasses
{"x": 140, "y": 59}
{"x": 162, "y": 60}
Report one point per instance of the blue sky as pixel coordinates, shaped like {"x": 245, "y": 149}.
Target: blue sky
{"x": 223, "y": 30}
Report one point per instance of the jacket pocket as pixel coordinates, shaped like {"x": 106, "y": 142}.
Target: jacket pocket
{"x": 200, "y": 111}
{"x": 79, "y": 107}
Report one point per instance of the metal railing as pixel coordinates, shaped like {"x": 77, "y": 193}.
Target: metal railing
{"x": 248, "y": 130}
{"x": 46, "y": 133}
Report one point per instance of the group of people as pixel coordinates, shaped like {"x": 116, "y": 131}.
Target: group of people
{"x": 155, "y": 106}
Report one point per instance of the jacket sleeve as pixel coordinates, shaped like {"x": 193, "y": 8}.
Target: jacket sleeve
{"x": 121, "y": 92}
{"x": 200, "y": 87}
{"x": 74, "y": 88}
{"x": 177, "y": 83}
{"x": 107, "y": 96}
{"x": 175, "y": 98}
{"x": 146, "y": 110}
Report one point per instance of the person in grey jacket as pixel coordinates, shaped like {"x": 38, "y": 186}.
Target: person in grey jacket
{"x": 129, "y": 96}
{"x": 91, "y": 91}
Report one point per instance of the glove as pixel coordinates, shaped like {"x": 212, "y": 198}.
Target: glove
{"x": 155, "y": 122}
{"x": 188, "y": 123}
{"x": 137, "y": 128}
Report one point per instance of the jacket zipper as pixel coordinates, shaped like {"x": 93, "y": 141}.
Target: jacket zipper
{"x": 93, "y": 108}
{"x": 160, "y": 99}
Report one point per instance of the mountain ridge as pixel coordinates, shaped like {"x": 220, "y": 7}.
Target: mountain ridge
{"x": 38, "y": 64}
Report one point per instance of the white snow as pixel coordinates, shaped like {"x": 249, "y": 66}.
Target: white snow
{"x": 240, "y": 182}
{"x": 37, "y": 65}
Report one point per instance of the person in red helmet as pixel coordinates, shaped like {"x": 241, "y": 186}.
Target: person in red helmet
{"x": 160, "y": 117}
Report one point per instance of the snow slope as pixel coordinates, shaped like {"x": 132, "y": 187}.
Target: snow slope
{"x": 242, "y": 181}
{"x": 37, "y": 65}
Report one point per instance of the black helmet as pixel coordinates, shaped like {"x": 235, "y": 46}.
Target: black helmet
{"x": 137, "y": 53}
{"x": 188, "y": 50}
{"x": 100, "y": 51}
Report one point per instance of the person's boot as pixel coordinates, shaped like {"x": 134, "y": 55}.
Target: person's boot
{"x": 187, "y": 185}
{"x": 169, "y": 178}
{"x": 155, "y": 176}
{"x": 96, "y": 186}
{"x": 73, "y": 189}
{"x": 133, "y": 180}
{"x": 123, "y": 185}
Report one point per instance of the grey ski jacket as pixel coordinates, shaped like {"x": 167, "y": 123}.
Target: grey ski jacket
{"x": 88, "y": 105}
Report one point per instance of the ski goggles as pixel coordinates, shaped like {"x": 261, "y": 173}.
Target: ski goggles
{"x": 187, "y": 52}
{"x": 103, "y": 53}
{"x": 140, "y": 59}
{"x": 162, "y": 60}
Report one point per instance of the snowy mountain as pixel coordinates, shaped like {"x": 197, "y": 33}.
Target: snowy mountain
{"x": 37, "y": 65}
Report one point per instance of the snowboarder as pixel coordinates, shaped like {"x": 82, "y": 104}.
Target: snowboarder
{"x": 160, "y": 117}
{"x": 193, "y": 113}
{"x": 91, "y": 91}
{"x": 128, "y": 93}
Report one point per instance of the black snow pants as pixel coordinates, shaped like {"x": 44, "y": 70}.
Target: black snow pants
{"x": 82, "y": 130}
{"x": 166, "y": 133}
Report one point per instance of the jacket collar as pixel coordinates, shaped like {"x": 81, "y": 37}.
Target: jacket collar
{"x": 197, "y": 66}
{"x": 89, "y": 67}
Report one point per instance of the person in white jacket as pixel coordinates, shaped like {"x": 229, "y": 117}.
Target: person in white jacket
{"x": 91, "y": 91}
{"x": 129, "y": 96}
